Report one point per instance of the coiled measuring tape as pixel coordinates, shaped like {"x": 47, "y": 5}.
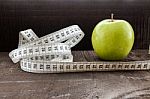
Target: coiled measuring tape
{"x": 52, "y": 54}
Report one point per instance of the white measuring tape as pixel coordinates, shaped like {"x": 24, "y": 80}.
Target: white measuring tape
{"x": 52, "y": 54}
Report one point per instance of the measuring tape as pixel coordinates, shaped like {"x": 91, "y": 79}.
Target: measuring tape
{"x": 52, "y": 54}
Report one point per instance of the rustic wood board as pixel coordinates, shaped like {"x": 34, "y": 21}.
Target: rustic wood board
{"x": 90, "y": 56}
{"x": 17, "y": 84}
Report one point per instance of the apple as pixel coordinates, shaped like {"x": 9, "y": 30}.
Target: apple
{"x": 112, "y": 39}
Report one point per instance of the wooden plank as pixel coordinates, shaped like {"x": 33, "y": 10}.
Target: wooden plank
{"x": 135, "y": 55}
{"x": 17, "y": 84}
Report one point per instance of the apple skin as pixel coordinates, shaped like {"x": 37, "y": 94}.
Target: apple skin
{"x": 112, "y": 40}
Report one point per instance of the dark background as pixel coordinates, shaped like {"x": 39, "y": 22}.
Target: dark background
{"x": 46, "y": 16}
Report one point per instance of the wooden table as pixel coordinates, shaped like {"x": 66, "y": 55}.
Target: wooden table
{"x": 17, "y": 84}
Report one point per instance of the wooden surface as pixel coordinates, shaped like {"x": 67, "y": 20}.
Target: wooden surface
{"x": 90, "y": 56}
{"x": 17, "y": 84}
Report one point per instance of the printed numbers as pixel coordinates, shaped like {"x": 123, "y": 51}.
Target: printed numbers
{"x": 29, "y": 35}
{"x": 107, "y": 66}
{"x": 35, "y": 66}
{"x": 40, "y": 42}
{"x": 139, "y": 66}
{"x": 67, "y": 32}
{"x": 43, "y": 49}
{"x": 19, "y": 52}
{"x": 62, "y": 34}
{"x": 77, "y": 37}
{"x": 145, "y": 65}
{"x": 57, "y": 36}
{"x": 61, "y": 47}
{"x": 30, "y": 50}
{"x": 32, "y": 39}
{"x": 113, "y": 66}
{"x": 61, "y": 67}
{"x": 126, "y": 66}
{"x": 74, "y": 66}
{"x": 29, "y": 65}
{"x": 49, "y": 48}
{"x": 81, "y": 67}
{"x": 119, "y": 66}
{"x": 65, "y": 57}
{"x": 47, "y": 66}
{"x": 67, "y": 66}
{"x": 52, "y": 56}
{"x": 56, "y": 48}
{"x": 41, "y": 66}
{"x": 71, "y": 31}
{"x": 47, "y": 57}
{"x": 87, "y": 66}
{"x": 36, "y": 57}
{"x": 51, "y": 38}
{"x": 100, "y": 66}
{"x": 133, "y": 66}
{"x": 25, "y": 51}
{"x": 46, "y": 41}
{"x": 73, "y": 41}
{"x": 54, "y": 67}
{"x": 36, "y": 50}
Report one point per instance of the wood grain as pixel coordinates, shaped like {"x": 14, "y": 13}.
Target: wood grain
{"x": 90, "y": 56}
{"x": 17, "y": 84}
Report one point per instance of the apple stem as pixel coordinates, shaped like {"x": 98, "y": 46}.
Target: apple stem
{"x": 112, "y": 17}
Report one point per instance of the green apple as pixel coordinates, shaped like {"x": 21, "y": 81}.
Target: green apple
{"x": 112, "y": 39}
